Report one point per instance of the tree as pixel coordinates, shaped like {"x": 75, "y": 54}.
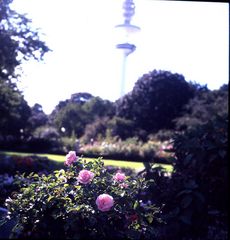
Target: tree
{"x": 121, "y": 127}
{"x": 18, "y": 40}
{"x": 81, "y": 97}
{"x": 14, "y": 110}
{"x": 38, "y": 118}
{"x": 203, "y": 107}
{"x": 95, "y": 130}
{"x": 72, "y": 118}
{"x": 156, "y": 99}
{"x": 78, "y": 98}
{"x": 81, "y": 109}
{"x": 97, "y": 107}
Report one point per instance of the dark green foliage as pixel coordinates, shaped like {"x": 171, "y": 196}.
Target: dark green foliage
{"x": 196, "y": 196}
{"x": 95, "y": 130}
{"x": 43, "y": 145}
{"x": 97, "y": 108}
{"x": 14, "y": 110}
{"x": 46, "y": 132}
{"x": 126, "y": 170}
{"x": 27, "y": 164}
{"x": 202, "y": 156}
{"x": 59, "y": 206}
{"x": 162, "y": 135}
{"x": 75, "y": 113}
{"x": 204, "y": 106}
{"x": 18, "y": 41}
{"x": 38, "y": 118}
{"x": 121, "y": 127}
{"x": 156, "y": 99}
{"x": 72, "y": 118}
{"x": 81, "y": 97}
{"x": 11, "y": 168}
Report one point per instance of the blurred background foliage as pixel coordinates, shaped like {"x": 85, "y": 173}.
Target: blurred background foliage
{"x": 152, "y": 111}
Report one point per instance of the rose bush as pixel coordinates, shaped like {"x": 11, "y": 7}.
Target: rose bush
{"x": 84, "y": 201}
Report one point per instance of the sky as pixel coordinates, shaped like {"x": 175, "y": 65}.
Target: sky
{"x": 189, "y": 38}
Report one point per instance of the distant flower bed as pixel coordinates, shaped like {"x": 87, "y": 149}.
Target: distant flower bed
{"x": 26, "y": 164}
{"x": 130, "y": 150}
{"x": 84, "y": 201}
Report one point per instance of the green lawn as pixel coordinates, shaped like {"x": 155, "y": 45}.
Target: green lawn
{"x": 138, "y": 166}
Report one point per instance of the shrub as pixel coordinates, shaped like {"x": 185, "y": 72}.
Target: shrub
{"x": 6, "y": 187}
{"x": 196, "y": 196}
{"x": 95, "y": 130}
{"x": 83, "y": 202}
{"x": 26, "y": 164}
{"x": 128, "y": 171}
{"x": 162, "y": 135}
{"x": 43, "y": 145}
{"x": 130, "y": 149}
{"x": 9, "y": 185}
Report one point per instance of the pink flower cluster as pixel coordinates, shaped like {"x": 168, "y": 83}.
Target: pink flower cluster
{"x": 119, "y": 177}
{"x": 104, "y": 201}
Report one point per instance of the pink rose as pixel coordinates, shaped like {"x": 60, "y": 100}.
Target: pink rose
{"x": 85, "y": 176}
{"x": 123, "y": 185}
{"x": 119, "y": 177}
{"x": 104, "y": 202}
{"x": 70, "y": 158}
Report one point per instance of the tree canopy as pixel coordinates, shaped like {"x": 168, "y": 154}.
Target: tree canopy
{"x": 81, "y": 109}
{"x": 206, "y": 105}
{"x": 14, "y": 110}
{"x": 19, "y": 41}
{"x": 156, "y": 99}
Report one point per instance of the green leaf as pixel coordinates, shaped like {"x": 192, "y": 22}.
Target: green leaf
{"x": 135, "y": 204}
{"x": 122, "y": 194}
{"x": 49, "y": 198}
{"x": 150, "y": 219}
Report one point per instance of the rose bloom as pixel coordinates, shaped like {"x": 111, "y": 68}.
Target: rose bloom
{"x": 104, "y": 202}
{"x": 85, "y": 176}
{"x": 123, "y": 185}
{"x": 119, "y": 177}
{"x": 70, "y": 158}
{"x": 132, "y": 217}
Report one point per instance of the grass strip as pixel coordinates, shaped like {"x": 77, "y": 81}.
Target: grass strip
{"x": 138, "y": 166}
